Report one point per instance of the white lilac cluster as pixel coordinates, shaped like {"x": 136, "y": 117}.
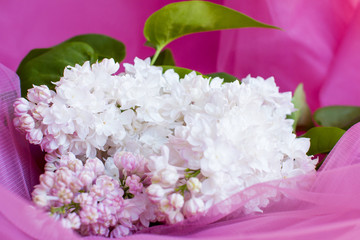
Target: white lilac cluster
{"x": 199, "y": 140}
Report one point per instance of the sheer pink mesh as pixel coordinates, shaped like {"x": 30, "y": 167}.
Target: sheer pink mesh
{"x": 18, "y": 172}
{"x": 322, "y": 207}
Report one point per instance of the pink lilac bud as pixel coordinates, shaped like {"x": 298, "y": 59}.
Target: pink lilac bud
{"x": 107, "y": 183}
{"x": 39, "y": 94}
{"x": 65, "y": 195}
{"x": 75, "y": 185}
{"x": 40, "y": 196}
{"x": 99, "y": 230}
{"x": 126, "y": 160}
{"x": 47, "y": 179}
{"x": 161, "y": 217}
{"x": 75, "y": 165}
{"x": 26, "y": 122}
{"x": 65, "y": 175}
{"x": 51, "y": 158}
{"x": 116, "y": 201}
{"x": 141, "y": 164}
{"x": 21, "y": 106}
{"x": 95, "y": 165}
{"x": 194, "y": 185}
{"x": 193, "y": 206}
{"x": 17, "y": 124}
{"x": 89, "y": 214}
{"x": 49, "y": 144}
{"x": 39, "y": 110}
{"x": 50, "y": 167}
{"x": 74, "y": 220}
{"x": 176, "y": 200}
{"x": 84, "y": 199}
{"x": 117, "y": 193}
{"x": 65, "y": 158}
{"x": 134, "y": 184}
{"x": 34, "y": 136}
{"x": 97, "y": 192}
{"x": 87, "y": 177}
{"x": 155, "y": 192}
{"x": 106, "y": 215}
{"x": 174, "y": 217}
{"x": 119, "y": 231}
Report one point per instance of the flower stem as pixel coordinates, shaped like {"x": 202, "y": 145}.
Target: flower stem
{"x": 156, "y": 55}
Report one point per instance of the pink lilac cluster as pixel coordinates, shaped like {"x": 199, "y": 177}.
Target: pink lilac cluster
{"x": 170, "y": 147}
{"x": 87, "y": 200}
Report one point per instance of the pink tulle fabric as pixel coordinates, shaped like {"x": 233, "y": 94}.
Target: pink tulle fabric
{"x": 319, "y": 46}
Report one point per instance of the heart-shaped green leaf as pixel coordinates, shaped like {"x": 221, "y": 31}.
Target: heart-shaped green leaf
{"x": 49, "y": 66}
{"x": 227, "y": 77}
{"x": 179, "y": 19}
{"x": 337, "y": 116}
{"x": 104, "y": 46}
{"x": 302, "y": 116}
{"x": 323, "y": 139}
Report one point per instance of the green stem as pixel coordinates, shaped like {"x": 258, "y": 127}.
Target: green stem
{"x": 191, "y": 173}
{"x": 156, "y": 55}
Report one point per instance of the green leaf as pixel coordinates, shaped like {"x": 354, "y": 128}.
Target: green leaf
{"x": 337, "y": 116}
{"x": 165, "y": 58}
{"x": 323, "y": 139}
{"x": 104, "y": 46}
{"x": 227, "y": 77}
{"x": 32, "y": 54}
{"x": 182, "y": 18}
{"x": 302, "y": 117}
{"x": 49, "y": 66}
{"x": 179, "y": 70}
{"x": 46, "y": 65}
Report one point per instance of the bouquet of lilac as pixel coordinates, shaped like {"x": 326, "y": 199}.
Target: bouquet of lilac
{"x": 153, "y": 144}
{"x": 124, "y": 150}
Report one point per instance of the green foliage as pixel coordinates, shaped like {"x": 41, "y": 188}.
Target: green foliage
{"x": 46, "y": 65}
{"x": 49, "y": 66}
{"x": 165, "y": 58}
{"x": 179, "y": 70}
{"x": 337, "y": 116}
{"x": 323, "y": 139}
{"x": 227, "y": 77}
{"x": 104, "y": 46}
{"x": 302, "y": 117}
{"x": 182, "y": 18}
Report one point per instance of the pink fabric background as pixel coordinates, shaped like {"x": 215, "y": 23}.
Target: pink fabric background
{"x": 319, "y": 46}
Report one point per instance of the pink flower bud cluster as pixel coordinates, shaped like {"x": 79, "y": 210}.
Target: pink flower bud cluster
{"x": 174, "y": 191}
{"x": 87, "y": 200}
{"x": 177, "y": 202}
{"x": 27, "y": 114}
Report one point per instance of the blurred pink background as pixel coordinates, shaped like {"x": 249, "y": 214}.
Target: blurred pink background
{"x": 319, "y": 44}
